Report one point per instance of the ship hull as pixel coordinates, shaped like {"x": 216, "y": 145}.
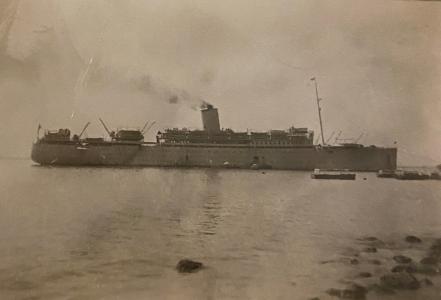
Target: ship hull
{"x": 216, "y": 156}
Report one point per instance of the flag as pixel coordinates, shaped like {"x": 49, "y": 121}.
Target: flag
{"x": 38, "y": 131}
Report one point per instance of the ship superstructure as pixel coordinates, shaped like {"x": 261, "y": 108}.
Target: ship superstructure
{"x": 213, "y": 134}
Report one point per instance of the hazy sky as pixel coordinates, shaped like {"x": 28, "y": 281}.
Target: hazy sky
{"x": 378, "y": 64}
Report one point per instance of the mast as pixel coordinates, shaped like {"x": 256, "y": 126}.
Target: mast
{"x": 319, "y": 110}
{"x": 7, "y": 18}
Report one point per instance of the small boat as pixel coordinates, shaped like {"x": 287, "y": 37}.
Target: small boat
{"x": 412, "y": 175}
{"x": 342, "y": 175}
{"x": 386, "y": 174}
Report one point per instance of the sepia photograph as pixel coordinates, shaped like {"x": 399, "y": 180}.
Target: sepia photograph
{"x": 216, "y": 150}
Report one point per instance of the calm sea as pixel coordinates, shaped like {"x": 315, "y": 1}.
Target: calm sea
{"x": 117, "y": 233}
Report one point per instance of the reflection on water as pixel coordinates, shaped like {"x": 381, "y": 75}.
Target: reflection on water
{"x": 103, "y": 233}
{"x": 211, "y": 202}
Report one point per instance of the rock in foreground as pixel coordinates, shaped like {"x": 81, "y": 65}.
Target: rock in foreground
{"x": 188, "y": 266}
{"x": 413, "y": 239}
{"x": 400, "y": 281}
{"x": 354, "y": 292}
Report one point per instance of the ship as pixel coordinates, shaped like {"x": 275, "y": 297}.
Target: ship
{"x": 333, "y": 174}
{"x": 211, "y": 147}
{"x": 291, "y": 149}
